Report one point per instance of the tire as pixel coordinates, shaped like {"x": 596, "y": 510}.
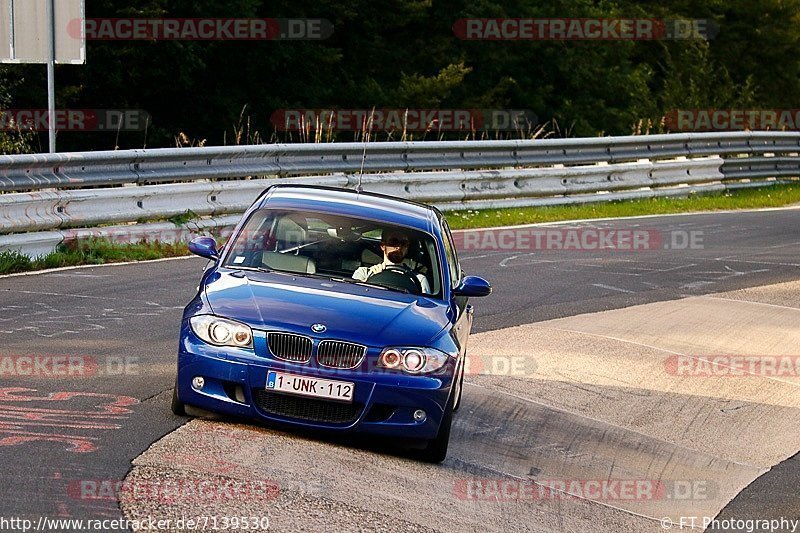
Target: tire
{"x": 436, "y": 449}
{"x": 460, "y": 391}
{"x": 178, "y": 407}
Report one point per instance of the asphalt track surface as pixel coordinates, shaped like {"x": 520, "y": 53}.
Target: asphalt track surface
{"x": 60, "y": 434}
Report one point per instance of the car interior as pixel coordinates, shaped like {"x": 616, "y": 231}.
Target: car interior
{"x": 330, "y": 246}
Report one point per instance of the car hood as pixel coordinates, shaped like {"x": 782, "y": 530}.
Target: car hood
{"x": 366, "y": 315}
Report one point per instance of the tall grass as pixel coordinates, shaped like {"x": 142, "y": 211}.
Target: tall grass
{"x": 774, "y": 196}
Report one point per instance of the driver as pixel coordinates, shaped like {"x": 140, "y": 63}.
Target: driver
{"x": 394, "y": 244}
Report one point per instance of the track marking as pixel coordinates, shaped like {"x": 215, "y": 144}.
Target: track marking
{"x": 750, "y": 302}
{"x": 465, "y": 257}
{"x": 108, "y": 409}
{"x": 113, "y": 299}
{"x": 696, "y": 284}
{"x": 733, "y": 259}
{"x": 504, "y": 262}
{"x": 611, "y": 288}
{"x": 690, "y": 265}
{"x": 90, "y": 276}
{"x": 784, "y": 245}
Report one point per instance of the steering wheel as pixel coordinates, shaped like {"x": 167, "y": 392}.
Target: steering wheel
{"x": 398, "y": 277}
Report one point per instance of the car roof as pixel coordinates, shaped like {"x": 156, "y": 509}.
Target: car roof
{"x": 350, "y": 202}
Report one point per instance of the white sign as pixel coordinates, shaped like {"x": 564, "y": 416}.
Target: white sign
{"x": 24, "y": 31}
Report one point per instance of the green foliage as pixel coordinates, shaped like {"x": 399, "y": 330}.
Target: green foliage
{"x": 430, "y": 91}
{"x": 93, "y": 251}
{"x": 11, "y": 262}
{"x": 404, "y": 54}
{"x": 12, "y": 141}
{"x": 771, "y": 196}
{"x": 183, "y": 218}
{"x": 15, "y": 142}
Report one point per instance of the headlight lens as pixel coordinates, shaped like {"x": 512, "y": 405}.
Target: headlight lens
{"x": 391, "y": 358}
{"x": 221, "y": 331}
{"x": 412, "y": 360}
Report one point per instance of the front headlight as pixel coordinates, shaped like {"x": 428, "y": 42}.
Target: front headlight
{"x": 412, "y": 360}
{"x": 221, "y": 331}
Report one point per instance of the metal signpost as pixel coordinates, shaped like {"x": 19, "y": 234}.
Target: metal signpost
{"x": 43, "y": 31}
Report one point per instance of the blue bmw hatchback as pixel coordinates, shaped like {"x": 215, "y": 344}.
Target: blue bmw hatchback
{"x": 331, "y": 309}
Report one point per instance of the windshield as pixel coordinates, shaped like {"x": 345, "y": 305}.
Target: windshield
{"x": 342, "y": 248}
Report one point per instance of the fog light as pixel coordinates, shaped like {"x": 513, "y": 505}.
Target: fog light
{"x": 419, "y": 415}
{"x": 198, "y": 383}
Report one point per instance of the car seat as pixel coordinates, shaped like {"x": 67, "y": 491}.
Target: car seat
{"x": 288, "y": 262}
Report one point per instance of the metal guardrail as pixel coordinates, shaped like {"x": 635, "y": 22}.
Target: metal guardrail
{"x": 42, "y": 210}
{"x": 83, "y": 169}
{"x": 51, "y": 193}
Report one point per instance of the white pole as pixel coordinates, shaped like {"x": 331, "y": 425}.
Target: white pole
{"x": 51, "y": 75}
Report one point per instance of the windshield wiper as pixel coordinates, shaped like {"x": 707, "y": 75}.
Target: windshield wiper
{"x": 354, "y": 281}
{"x": 351, "y": 281}
{"x": 249, "y": 268}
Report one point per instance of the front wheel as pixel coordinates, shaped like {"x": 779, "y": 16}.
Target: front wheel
{"x": 436, "y": 450}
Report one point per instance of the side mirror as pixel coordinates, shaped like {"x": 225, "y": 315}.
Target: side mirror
{"x": 473, "y": 286}
{"x": 204, "y": 247}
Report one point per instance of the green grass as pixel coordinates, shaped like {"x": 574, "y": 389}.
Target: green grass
{"x": 99, "y": 251}
{"x": 90, "y": 252}
{"x": 774, "y": 196}
{"x": 183, "y": 218}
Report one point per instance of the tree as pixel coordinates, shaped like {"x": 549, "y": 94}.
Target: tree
{"x": 13, "y": 140}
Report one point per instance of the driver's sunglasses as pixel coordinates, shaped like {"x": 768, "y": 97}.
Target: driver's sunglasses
{"x": 396, "y": 242}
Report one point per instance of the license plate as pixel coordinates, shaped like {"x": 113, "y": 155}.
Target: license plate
{"x": 314, "y": 387}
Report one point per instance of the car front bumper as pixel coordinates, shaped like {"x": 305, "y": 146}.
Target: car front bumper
{"x": 383, "y": 402}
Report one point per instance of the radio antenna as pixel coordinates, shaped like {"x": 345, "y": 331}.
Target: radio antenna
{"x": 368, "y": 130}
